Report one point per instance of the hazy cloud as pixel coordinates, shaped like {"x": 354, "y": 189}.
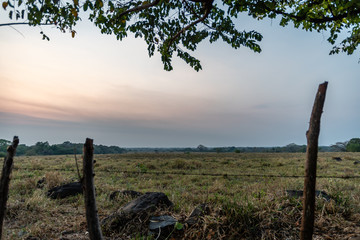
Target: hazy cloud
{"x": 95, "y": 86}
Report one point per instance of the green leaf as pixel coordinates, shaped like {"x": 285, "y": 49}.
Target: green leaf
{"x": 17, "y": 15}
{"x": 179, "y": 226}
{"x": 111, "y": 6}
{"x": 10, "y": 5}
{"x": 91, "y": 6}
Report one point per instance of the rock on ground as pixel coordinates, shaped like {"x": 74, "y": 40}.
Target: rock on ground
{"x": 135, "y": 216}
{"x": 66, "y": 190}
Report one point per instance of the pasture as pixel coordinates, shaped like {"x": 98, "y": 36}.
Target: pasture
{"x": 246, "y": 194}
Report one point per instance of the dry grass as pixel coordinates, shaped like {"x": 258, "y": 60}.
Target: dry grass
{"x": 240, "y": 207}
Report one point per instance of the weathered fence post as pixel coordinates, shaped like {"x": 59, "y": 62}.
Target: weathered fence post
{"x": 5, "y": 180}
{"x": 92, "y": 219}
{"x": 312, "y": 135}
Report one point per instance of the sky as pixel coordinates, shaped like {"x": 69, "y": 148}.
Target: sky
{"x": 68, "y": 89}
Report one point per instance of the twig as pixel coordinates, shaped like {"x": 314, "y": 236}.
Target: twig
{"x": 77, "y": 166}
{"x": 17, "y": 31}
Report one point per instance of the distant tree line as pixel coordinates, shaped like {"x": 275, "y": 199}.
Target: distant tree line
{"x": 348, "y": 146}
{"x": 44, "y": 148}
{"x": 288, "y": 148}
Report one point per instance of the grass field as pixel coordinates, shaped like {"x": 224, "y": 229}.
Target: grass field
{"x": 241, "y": 206}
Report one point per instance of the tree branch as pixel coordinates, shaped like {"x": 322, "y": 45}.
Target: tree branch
{"x": 21, "y": 23}
{"x": 77, "y": 166}
{"x": 202, "y": 1}
{"x": 139, "y": 8}
{"x": 193, "y": 12}
{"x": 208, "y": 7}
{"x": 316, "y": 20}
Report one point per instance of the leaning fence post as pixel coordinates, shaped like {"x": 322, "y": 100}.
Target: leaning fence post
{"x": 92, "y": 219}
{"x": 312, "y": 135}
{"x": 5, "y": 179}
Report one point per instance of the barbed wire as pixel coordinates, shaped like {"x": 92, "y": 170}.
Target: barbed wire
{"x": 225, "y": 175}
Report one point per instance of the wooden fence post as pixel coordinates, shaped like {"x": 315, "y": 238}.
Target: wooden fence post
{"x": 5, "y": 180}
{"x": 312, "y": 135}
{"x": 92, "y": 219}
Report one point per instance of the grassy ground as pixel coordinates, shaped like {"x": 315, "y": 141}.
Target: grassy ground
{"x": 240, "y": 207}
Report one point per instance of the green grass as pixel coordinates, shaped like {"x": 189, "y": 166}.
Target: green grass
{"x": 242, "y": 207}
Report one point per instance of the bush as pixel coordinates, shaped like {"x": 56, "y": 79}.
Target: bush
{"x": 353, "y": 145}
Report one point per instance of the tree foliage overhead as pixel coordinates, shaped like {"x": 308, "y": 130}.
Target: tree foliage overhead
{"x": 176, "y": 27}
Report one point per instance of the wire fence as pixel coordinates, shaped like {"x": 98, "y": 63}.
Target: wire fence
{"x": 224, "y": 175}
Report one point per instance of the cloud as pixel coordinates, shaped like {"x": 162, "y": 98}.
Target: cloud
{"x": 94, "y": 86}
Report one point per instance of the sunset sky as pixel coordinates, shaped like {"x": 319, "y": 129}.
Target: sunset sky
{"x": 94, "y": 86}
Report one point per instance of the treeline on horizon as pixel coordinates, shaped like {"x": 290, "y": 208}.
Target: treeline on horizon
{"x": 66, "y": 148}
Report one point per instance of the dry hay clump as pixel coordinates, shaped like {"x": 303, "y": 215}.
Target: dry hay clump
{"x": 235, "y": 221}
{"x": 280, "y": 219}
{"x": 230, "y": 221}
{"x": 54, "y": 179}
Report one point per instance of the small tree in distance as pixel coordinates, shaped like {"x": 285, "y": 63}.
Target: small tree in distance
{"x": 339, "y": 147}
{"x": 178, "y": 26}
